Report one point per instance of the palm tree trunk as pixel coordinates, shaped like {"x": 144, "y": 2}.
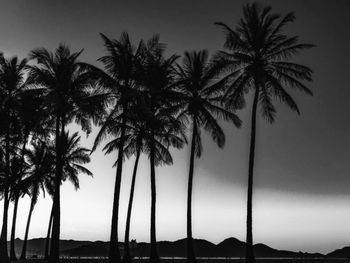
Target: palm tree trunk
{"x": 190, "y": 251}
{"x": 154, "y": 258}
{"x": 24, "y": 248}
{"x": 114, "y": 254}
{"x": 13, "y": 256}
{"x": 249, "y": 256}
{"x": 127, "y": 256}
{"x": 3, "y": 238}
{"x": 48, "y": 235}
{"x": 54, "y": 249}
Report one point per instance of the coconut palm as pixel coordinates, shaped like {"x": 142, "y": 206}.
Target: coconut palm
{"x": 73, "y": 159}
{"x": 41, "y": 159}
{"x": 133, "y": 142}
{"x": 33, "y": 123}
{"x": 203, "y": 107}
{"x": 18, "y": 188}
{"x": 118, "y": 80}
{"x": 259, "y": 60}
{"x": 11, "y": 87}
{"x": 40, "y": 164}
{"x": 136, "y": 142}
{"x": 68, "y": 89}
{"x": 160, "y": 105}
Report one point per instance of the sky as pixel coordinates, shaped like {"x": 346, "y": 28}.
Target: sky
{"x": 301, "y": 193}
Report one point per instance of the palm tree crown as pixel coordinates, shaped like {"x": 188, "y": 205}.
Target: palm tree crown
{"x": 258, "y": 58}
{"x": 74, "y": 157}
{"x": 202, "y": 97}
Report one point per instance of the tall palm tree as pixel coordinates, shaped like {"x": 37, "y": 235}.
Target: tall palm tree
{"x": 136, "y": 142}
{"x": 258, "y": 58}
{"x": 18, "y": 188}
{"x": 160, "y": 105}
{"x": 119, "y": 80}
{"x": 133, "y": 142}
{"x": 41, "y": 160}
{"x": 69, "y": 91}
{"x": 33, "y": 122}
{"x": 40, "y": 164}
{"x": 203, "y": 106}
{"x": 11, "y": 86}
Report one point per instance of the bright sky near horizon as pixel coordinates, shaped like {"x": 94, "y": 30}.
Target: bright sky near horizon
{"x": 302, "y": 196}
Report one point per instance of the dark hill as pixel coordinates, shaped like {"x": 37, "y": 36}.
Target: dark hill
{"x": 230, "y": 247}
{"x": 94, "y": 249}
{"x": 340, "y": 253}
{"x": 262, "y": 250}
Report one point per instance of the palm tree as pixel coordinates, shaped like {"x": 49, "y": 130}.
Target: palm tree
{"x": 73, "y": 159}
{"x": 18, "y": 188}
{"x": 40, "y": 164}
{"x": 203, "y": 106}
{"x": 259, "y": 59}
{"x": 119, "y": 82}
{"x": 136, "y": 142}
{"x": 33, "y": 122}
{"x": 133, "y": 141}
{"x": 41, "y": 160}
{"x": 11, "y": 86}
{"x": 69, "y": 91}
{"x": 160, "y": 105}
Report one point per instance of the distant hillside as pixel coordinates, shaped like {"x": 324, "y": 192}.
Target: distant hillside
{"x": 230, "y": 247}
{"x": 92, "y": 249}
{"x": 340, "y": 253}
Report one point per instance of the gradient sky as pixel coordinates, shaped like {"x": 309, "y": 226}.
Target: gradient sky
{"x": 302, "y": 196}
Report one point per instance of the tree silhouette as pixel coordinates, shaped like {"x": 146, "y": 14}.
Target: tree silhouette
{"x": 160, "y": 104}
{"x": 33, "y": 123}
{"x": 136, "y": 142}
{"x": 73, "y": 159}
{"x": 202, "y": 102}
{"x": 11, "y": 86}
{"x": 259, "y": 60}
{"x": 18, "y": 188}
{"x": 40, "y": 162}
{"x": 69, "y": 92}
{"x": 37, "y": 128}
{"x": 119, "y": 81}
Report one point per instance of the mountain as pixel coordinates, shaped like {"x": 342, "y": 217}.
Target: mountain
{"x": 264, "y": 251}
{"x": 92, "y": 249}
{"x": 340, "y": 253}
{"x": 230, "y": 247}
